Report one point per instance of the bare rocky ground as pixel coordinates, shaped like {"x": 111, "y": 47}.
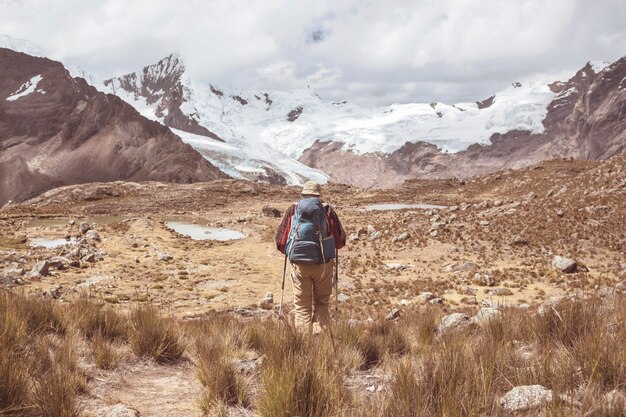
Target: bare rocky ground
{"x": 498, "y": 242}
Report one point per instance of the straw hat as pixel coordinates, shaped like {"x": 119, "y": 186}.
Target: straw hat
{"x": 311, "y": 188}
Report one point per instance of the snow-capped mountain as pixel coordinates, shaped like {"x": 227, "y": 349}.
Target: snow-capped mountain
{"x": 287, "y": 137}
{"x": 267, "y": 135}
{"x": 21, "y": 45}
{"x": 57, "y": 130}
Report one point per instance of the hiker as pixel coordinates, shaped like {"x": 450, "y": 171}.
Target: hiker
{"x": 310, "y": 235}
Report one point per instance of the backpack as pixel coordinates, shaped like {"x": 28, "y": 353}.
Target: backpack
{"x": 309, "y": 240}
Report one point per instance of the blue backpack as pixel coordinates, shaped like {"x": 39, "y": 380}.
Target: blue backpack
{"x": 309, "y": 239}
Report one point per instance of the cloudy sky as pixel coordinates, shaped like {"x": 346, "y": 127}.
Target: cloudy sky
{"x": 374, "y": 52}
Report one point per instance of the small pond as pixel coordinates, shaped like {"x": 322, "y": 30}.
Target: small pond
{"x": 50, "y": 243}
{"x": 399, "y": 206}
{"x": 198, "y": 232}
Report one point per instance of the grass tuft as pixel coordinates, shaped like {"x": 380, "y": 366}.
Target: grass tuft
{"x": 155, "y": 337}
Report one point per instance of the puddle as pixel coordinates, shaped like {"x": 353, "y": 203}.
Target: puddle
{"x": 198, "y": 232}
{"x": 53, "y": 222}
{"x": 397, "y": 206}
{"x": 50, "y": 243}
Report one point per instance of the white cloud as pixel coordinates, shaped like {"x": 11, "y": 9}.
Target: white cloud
{"x": 373, "y": 52}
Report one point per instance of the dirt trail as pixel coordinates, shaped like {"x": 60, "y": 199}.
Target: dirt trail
{"x": 153, "y": 390}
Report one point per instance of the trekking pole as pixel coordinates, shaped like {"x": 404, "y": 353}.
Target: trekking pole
{"x": 282, "y": 291}
{"x": 336, "y": 280}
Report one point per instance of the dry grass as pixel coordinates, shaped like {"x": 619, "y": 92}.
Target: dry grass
{"x": 576, "y": 348}
{"x": 155, "y": 337}
{"x": 216, "y": 343}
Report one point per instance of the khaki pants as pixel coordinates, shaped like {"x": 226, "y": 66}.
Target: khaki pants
{"x": 312, "y": 287}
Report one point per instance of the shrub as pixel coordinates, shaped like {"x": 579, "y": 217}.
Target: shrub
{"x": 155, "y": 337}
{"x": 104, "y": 352}
{"x": 301, "y": 384}
{"x": 57, "y": 378}
{"x": 14, "y": 384}
{"x": 93, "y": 319}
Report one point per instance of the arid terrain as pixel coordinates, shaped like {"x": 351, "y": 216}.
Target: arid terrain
{"x": 491, "y": 242}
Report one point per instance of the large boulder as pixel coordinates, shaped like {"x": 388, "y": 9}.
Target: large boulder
{"x": 40, "y": 269}
{"x": 525, "y": 397}
{"x": 454, "y": 321}
{"x": 563, "y": 264}
{"x": 485, "y": 315}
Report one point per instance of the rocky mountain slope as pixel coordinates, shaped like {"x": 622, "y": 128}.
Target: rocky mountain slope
{"x": 57, "y": 130}
{"x": 585, "y": 120}
{"x": 261, "y": 135}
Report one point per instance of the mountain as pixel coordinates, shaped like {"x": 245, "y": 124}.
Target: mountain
{"x": 21, "y": 45}
{"x": 289, "y": 136}
{"x": 240, "y": 132}
{"x": 57, "y": 130}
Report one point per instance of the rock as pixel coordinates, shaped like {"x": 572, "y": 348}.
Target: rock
{"x": 519, "y": 241}
{"x": 484, "y": 223}
{"x": 353, "y": 237}
{"x": 14, "y": 270}
{"x": 7, "y": 281}
{"x": 362, "y": 232}
{"x": 72, "y": 222}
{"x": 486, "y": 314}
{"x": 471, "y": 300}
{"x": 59, "y": 262}
{"x": 530, "y": 196}
{"x": 40, "y": 269}
{"x": 465, "y": 267}
{"x": 404, "y": 302}
{"x": 249, "y": 367}
{"x": 393, "y": 314}
{"x": 376, "y": 235}
{"x": 433, "y": 233}
{"x": 84, "y": 227}
{"x": 54, "y": 292}
{"x": 269, "y": 211}
{"x": 615, "y": 402}
{"x": 484, "y": 279}
{"x": 436, "y": 301}
{"x": 117, "y": 410}
{"x": 353, "y": 322}
{"x": 90, "y": 257}
{"x": 370, "y": 229}
{"x": 401, "y": 237}
{"x": 267, "y": 303}
{"x": 548, "y": 305}
{"x": 560, "y": 213}
{"x": 500, "y": 292}
{"x": 467, "y": 291}
{"x": 93, "y": 235}
{"x": 454, "y": 321}
{"x": 165, "y": 257}
{"x": 425, "y": 297}
{"x": 563, "y": 264}
{"x": 342, "y": 298}
{"x": 525, "y": 397}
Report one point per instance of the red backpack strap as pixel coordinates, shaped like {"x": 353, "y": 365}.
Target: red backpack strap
{"x": 282, "y": 234}
{"x": 335, "y": 227}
